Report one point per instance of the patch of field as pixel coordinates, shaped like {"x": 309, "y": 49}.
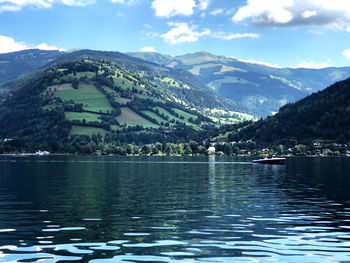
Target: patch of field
{"x": 117, "y": 97}
{"x": 169, "y": 115}
{"x": 91, "y": 98}
{"x": 214, "y": 85}
{"x": 122, "y": 100}
{"x": 148, "y": 97}
{"x": 66, "y": 86}
{"x": 89, "y": 117}
{"x": 154, "y": 116}
{"x": 245, "y": 116}
{"x": 78, "y": 75}
{"x": 199, "y": 58}
{"x": 115, "y": 128}
{"x": 170, "y": 82}
{"x": 131, "y": 118}
{"x": 173, "y": 83}
{"x": 109, "y": 90}
{"x": 186, "y": 115}
{"x": 196, "y": 70}
{"x": 225, "y": 120}
{"x": 225, "y": 69}
{"x": 123, "y": 83}
{"x": 172, "y": 117}
{"x": 228, "y": 117}
{"x": 80, "y": 130}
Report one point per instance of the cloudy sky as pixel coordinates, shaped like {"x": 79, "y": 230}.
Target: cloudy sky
{"x": 298, "y": 33}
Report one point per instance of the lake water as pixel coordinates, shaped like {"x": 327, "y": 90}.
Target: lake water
{"x": 173, "y": 209}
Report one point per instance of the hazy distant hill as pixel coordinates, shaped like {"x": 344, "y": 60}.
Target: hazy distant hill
{"x": 324, "y": 115}
{"x": 18, "y": 63}
{"x": 262, "y": 89}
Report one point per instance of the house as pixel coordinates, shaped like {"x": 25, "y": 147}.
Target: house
{"x": 211, "y": 150}
{"x": 317, "y": 144}
{"x": 265, "y": 151}
{"x": 325, "y": 152}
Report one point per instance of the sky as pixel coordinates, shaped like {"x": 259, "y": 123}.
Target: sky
{"x": 280, "y": 33}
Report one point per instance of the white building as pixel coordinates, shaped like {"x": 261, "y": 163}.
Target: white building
{"x": 211, "y": 150}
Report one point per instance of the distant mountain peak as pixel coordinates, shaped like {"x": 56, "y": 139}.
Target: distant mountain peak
{"x": 250, "y": 82}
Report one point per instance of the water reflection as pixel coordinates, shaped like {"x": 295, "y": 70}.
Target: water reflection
{"x": 166, "y": 209}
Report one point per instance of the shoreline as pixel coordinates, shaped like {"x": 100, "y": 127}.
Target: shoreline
{"x": 156, "y": 155}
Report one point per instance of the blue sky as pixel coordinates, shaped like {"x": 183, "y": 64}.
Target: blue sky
{"x": 301, "y": 33}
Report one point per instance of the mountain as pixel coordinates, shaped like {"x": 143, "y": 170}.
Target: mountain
{"x": 124, "y": 99}
{"x": 33, "y": 60}
{"x": 262, "y": 89}
{"x": 324, "y": 115}
{"x": 15, "y": 64}
{"x": 221, "y": 82}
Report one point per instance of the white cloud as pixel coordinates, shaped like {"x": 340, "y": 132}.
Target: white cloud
{"x": 182, "y": 32}
{"x": 252, "y": 61}
{"x": 168, "y": 8}
{"x": 8, "y": 44}
{"x": 307, "y": 13}
{"x": 44, "y": 46}
{"x": 313, "y": 65}
{"x": 266, "y": 11}
{"x": 346, "y": 53}
{"x": 148, "y": 49}
{"x": 348, "y": 29}
{"x": 10, "y": 8}
{"x": 203, "y": 4}
{"x": 75, "y": 2}
{"x": 16, "y": 5}
{"x": 217, "y": 12}
{"x": 303, "y": 64}
{"x": 149, "y": 34}
{"x": 225, "y": 36}
{"x": 127, "y": 2}
{"x": 295, "y": 12}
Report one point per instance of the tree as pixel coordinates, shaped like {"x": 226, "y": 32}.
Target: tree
{"x": 187, "y": 149}
{"x": 75, "y": 84}
{"x": 228, "y": 149}
{"x": 129, "y": 149}
{"x": 146, "y": 149}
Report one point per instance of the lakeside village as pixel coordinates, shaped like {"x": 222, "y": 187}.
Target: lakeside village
{"x": 204, "y": 148}
{"x": 248, "y": 148}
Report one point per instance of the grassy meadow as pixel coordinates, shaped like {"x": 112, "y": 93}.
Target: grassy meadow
{"x": 87, "y": 94}
{"x": 131, "y": 118}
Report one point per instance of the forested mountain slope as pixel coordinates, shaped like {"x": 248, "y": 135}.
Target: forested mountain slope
{"x": 324, "y": 115}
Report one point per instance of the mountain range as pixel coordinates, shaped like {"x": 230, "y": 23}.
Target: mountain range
{"x": 260, "y": 88}
{"x": 69, "y": 98}
{"x": 240, "y": 85}
{"x": 122, "y": 98}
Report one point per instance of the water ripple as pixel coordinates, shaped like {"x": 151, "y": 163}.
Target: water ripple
{"x": 178, "y": 210}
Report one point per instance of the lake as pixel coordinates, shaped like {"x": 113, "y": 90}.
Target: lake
{"x": 173, "y": 209}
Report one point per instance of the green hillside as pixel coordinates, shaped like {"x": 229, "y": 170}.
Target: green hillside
{"x": 322, "y": 116}
{"x": 89, "y": 96}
